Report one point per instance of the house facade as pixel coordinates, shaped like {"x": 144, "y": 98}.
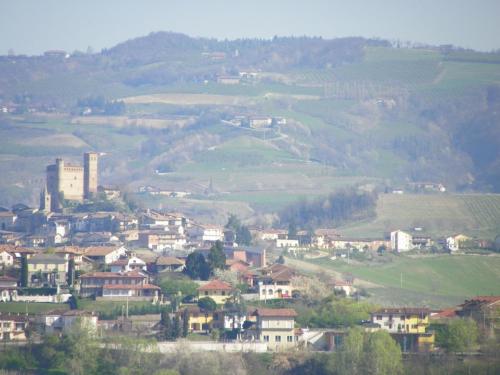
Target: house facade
{"x": 218, "y": 290}
{"x": 401, "y": 241}
{"x": 105, "y": 254}
{"x": 13, "y": 327}
{"x": 276, "y": 327}
{"x": 47, "y": 270}
{"x": 6, "y": 259}
{"x": 131, "y": 285}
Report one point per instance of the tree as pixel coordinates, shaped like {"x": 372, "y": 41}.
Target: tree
{"x": 71, "y": 272}
{"x": 242, "y": 233}
{"x": 197, "y": 267}
{"x": 176, "y": 327}
{"x": 382, "y": 355}
{"x": 166, "y": 328}
{"x": 216, "y": 257}
{"x": 292, "y": 230}
{"x": 461, "y": 335}
{"x": 24, "y": 271}
{"x": 207, "y": 304}
{"x": 281, "y": 259}
{"x": 185, "y": 323}
{"x": 351, "y": 355}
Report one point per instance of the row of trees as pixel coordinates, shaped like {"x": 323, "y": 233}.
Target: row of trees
{"x": 335, "y": 209}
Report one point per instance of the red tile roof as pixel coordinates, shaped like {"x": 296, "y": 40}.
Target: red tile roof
{"x": 446, "y": 313}
{"x": 169, "y": 261}
{"x": 215, "y": 285}
{"x": 130, "y": 287}
{"x": 99, "y": 251}
{"x": 403, "y": 310}
{"x": 275, "y": 313}
{"x": 106, "y": 275}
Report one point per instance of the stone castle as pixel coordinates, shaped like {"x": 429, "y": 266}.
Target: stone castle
{"x": 69, "y": 182}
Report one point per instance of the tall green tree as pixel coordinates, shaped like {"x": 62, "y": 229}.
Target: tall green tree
{"x": 197, "y": 267}
{"x": 71, "y": 272}
{"x": 350, "y": 357}
{"x": 207, "y": 304}
{"x": 176, "y": 327}
{"x": 24, "y": 271}
{"x": 185, "y": 323}
{"x": 216, "y": 257}
{"x": 382, "y": 355}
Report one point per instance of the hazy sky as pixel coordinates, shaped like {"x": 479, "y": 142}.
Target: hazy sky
{"x": 33, "y": 26}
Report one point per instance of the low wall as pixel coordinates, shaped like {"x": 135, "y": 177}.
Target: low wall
{"x": 124, "y": 299}
{"x": 58, "y": 298}
{"x": 212, "y": 346}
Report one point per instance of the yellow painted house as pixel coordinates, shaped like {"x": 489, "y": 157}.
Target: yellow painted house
{"x": 218, "y": 290}
{"x": 407, "y": 325}
{"x": 199, "y": 321}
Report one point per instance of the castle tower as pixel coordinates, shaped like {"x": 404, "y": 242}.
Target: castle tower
{"x": 45, "y": 201}
{"x": 90, "y": 160}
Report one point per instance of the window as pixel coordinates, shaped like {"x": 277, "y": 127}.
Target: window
{"x": 402, "y": 317}
{"x": 379, "y": 317}
{"x": 289, "y": 338}
{"x": 390, "y": 326}
{"x": 206, "y": 293}
{"x": 277, "y": 338}
{"x": 223, "y": 293}
{"x": 266, "y": 338}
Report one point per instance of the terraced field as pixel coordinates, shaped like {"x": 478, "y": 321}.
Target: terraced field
{"x": 438, "y": 214}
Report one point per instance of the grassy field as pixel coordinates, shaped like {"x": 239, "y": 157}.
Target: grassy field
{"x": 435, "y": 281}
{"x": 108, "y": 306}
{"x": 32, "y": 308}
{"x": 438, "y": 214}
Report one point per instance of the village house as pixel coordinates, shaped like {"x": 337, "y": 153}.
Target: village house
{"x": 276, "y": 327}
{"x": 47, "y": 270}
{"x": 105, "y": 254}
{"x": 58, "y": 321}
{"x": 257, "y": 122}
{"x": 344, "y": 286}
{"x": 160, "y": 240}
{"x": 286, "y": 243}
{"x": 198, "y": 320}
{"x": 275, "y": 282}
{"x": 126, "y": 264}
{"x": 169, "y": 264}
{"x": 273, "y": 234}
{"x": 361, "y": 244}
{"x": 75, "y": 253}
{"x": 13, "y": 327}
{"x": 457, "y": 242}
{"x": 408, "y": 326}
{"x": 237, "y": 266}
{"x": 202, "y": 234}
{"x": 8, "y": 288}
{"x": 165, "y": 221}
{"x": 484, "y": 310}
{"x": 401, "y": 241}
{"x": 94, "y": 239}
{"x": 6, "y": 259}
{"x": 217, "y": 290}
{"x": 7, "y": 220}
{"x": 116, "y": 286}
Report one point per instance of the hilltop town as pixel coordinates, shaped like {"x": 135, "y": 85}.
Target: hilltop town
{"x": 87, "y": 258}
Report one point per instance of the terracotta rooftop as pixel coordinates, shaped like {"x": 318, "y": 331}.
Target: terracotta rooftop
{"x": 275, "y": 313}
{"x": 215, "y": 285}
{"x": 130, "y": 287}
{"x": 169, "y": 261}
{"x": 446, "y": 313}
{"x": 403, "y": 310}
{"x": 131, "y": 274}
{"x": 99, "y": 251}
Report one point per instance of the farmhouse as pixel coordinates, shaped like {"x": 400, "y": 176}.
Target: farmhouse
{"x": 401, "y": 241}
{"x": 105, "y": 254}
{"x": 217, "y": 290}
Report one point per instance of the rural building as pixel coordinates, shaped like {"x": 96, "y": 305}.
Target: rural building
{"x": 131, "y": 285}
{"x": 105, "y": 254}
{"x": 58, "y": 321}
{"x": 275, "y": 282}
{"x": 128, "y": 264}
{"x": 13, "y": 327}
{"x": 456, "y": 242}
{"x": 401, "y": 241}
{"x": 6, "y": 259}
{"x": 408, "y": 326}
{"x": 276, "y": 327}
{"x": 170, "y": 264}
{"x": 218, "y": 290}
{"x": 8, "y": 288}
{"x": 228, "y": 80}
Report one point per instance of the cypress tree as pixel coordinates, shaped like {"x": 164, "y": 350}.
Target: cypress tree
{"x": 185, "y": 323}
{"x": 24, "y": 271}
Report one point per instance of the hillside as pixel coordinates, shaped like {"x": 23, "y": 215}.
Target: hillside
{"x": 358, "y": 112}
